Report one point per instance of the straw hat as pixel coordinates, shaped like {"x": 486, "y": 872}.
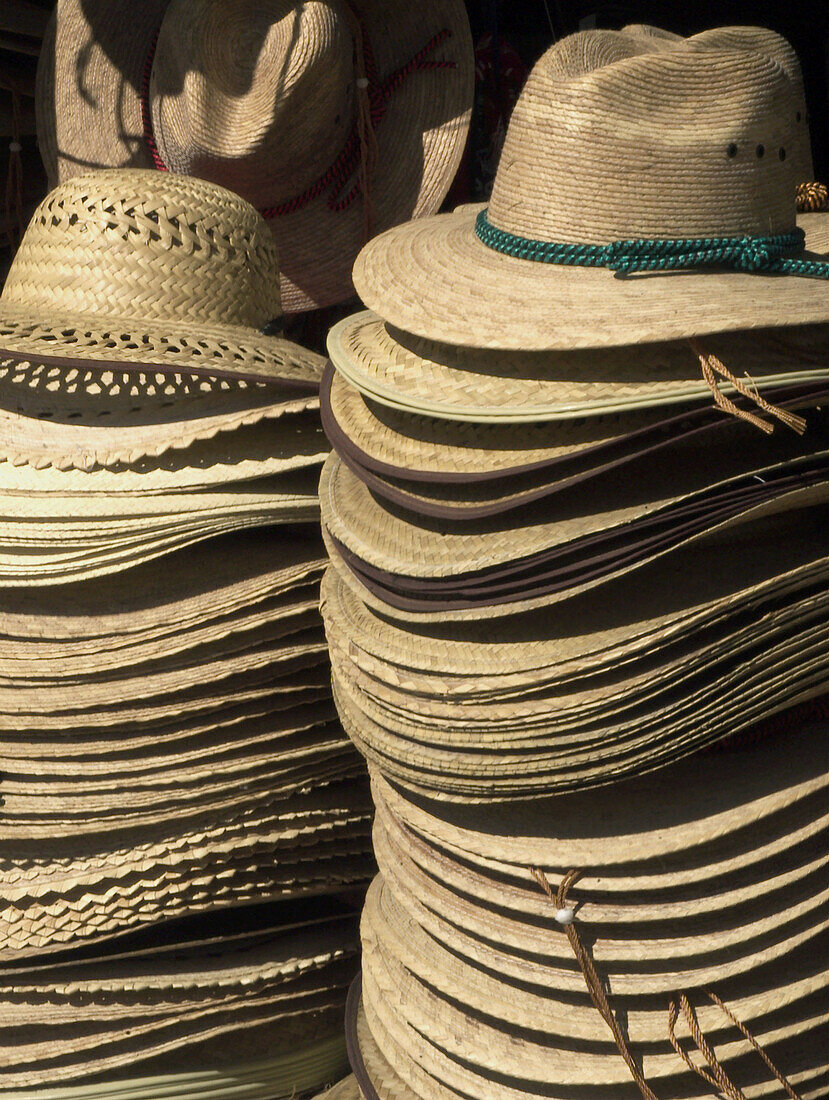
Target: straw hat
{"x": 274, "y": 978}
{"x": 468, "y": 384}
{"x": 420, "y": 565}
{"x": 150, "y": 270}
{"x": 610, "y": 148}
{"x": 266, "y": 99}
{"x": 86, "y": 417}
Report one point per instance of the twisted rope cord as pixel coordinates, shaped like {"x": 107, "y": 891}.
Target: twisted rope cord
{"x": 718, "y": 1077}
{"x": 14, "y": 178}
{"x": 591, "y": 978}
{"x": 749, "y": 254}
{"x": 812, "y": 196}
{"x": 712, "y": 366}
{"x": 359, "y": 153}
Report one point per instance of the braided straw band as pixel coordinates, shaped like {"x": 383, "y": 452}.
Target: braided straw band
{"x": 358, "y": 153}
{"x": 767, "y": 254}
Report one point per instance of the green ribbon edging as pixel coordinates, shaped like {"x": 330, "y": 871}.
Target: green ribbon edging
{"x": 750, "y": 254}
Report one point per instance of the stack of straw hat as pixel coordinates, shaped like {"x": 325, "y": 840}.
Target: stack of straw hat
{"x": 185, "y": 827}
{"x": 577, "y": 535}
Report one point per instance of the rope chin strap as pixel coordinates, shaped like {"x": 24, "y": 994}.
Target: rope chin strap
{"x": 748, "y": 254}
{"x": 359, "y": 155}
{"x": 712, "y": 366}
{"x": 717, "y": 1077}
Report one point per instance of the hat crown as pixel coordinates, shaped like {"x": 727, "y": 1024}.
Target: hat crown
{"x": 618, "y": 136}
{"x": 257, "y": 98}
{"x": 149, "y": 245}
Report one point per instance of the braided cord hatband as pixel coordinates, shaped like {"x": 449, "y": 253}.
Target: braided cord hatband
{"x": 739, "y": 253}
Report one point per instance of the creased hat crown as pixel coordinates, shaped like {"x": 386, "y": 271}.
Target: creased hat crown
{"x": 618, "y": 137}
{"x": 254, "y": 97}
{"x": 149, "y": 245}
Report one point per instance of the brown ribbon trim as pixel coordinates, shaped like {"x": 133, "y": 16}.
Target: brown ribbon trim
{"x": 156, "y": 368}
{"x": 718, "y": 1078}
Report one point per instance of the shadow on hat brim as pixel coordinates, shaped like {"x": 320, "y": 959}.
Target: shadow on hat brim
{"x": 83, "y": 340}
{"x": 436, "y": 279}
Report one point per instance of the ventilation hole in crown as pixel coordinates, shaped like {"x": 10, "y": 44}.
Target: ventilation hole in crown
{"x": 782, "y": 153}
{"x": 731, "y": 150}
{"x": 761, "y": 149}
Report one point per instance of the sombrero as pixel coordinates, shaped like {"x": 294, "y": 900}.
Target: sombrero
{"x": 269, "y": 102}
{"x": 669, "y": 165}
{"x": 155, "y": 273}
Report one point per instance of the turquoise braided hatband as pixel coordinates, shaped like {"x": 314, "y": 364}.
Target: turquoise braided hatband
{"x": 740, "y": 253}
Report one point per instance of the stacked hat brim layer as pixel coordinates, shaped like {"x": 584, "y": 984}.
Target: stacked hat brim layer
{"x": 267, "y": 984}
{"x": 104, "y": 471}
{"x": 185, "y": 827}
{"x": 617, "y": 680}
{"x": 479, "y": 541}
{"x": 576, "y": 522}
{"x": 470, "y": 987}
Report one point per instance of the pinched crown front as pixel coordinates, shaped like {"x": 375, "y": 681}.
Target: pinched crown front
{"x": 670, "y": 143}
{"x": 148, "y": 246}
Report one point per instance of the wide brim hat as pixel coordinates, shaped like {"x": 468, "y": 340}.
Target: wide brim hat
{"x": 266, "y": 103}
{"x": 474, "y": 385}
{"x": 153, "y": 273}
{"x": 83, "y": 418}
{"x": 646, "y": 192}
{"x": 587, "y": 691}
{"x": 273, "y": 978}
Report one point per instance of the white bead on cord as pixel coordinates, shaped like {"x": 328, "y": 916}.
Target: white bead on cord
{"x": 15, "y": 147}
{"x": 362, "y": 82}
{"x": 565, "y": 915}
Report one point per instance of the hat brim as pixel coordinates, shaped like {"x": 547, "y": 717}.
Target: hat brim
{"x": 89, "y": 115}
{"x": 215, "y": 351}
{"x": 479, "y": 386}
{"x": 434, "y": 278}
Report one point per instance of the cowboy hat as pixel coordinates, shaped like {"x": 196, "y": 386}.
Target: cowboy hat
{"x": 657, "y": 164}
{"x": 275, "y": 101}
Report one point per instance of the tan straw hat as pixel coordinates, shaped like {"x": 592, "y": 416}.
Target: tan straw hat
{"x": 670, "y": 165}
{"x": 470, "y": 384}
{"x": 282, "y": 102}
{"x": 150, "y": 270}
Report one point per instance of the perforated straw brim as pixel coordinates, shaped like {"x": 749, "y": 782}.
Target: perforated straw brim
{"x": 434, "y": 278}
{"x": 408, "y": 374}
{"x": 106, "y": 339}
{"x": 73, "y": 418}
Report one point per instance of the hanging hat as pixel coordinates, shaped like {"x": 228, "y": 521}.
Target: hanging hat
{"x": 670, "y": 167}
{"x": 281, "y": 102}
{"x": 155, "y": 271}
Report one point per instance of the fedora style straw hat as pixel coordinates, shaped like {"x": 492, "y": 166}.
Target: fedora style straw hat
{"x": 335, "y": 118}
{"x": 642, "y": 195}
{"x": 155, "y": 272}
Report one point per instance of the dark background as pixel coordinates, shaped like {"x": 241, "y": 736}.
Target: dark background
{"x": 532, "y": 25}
